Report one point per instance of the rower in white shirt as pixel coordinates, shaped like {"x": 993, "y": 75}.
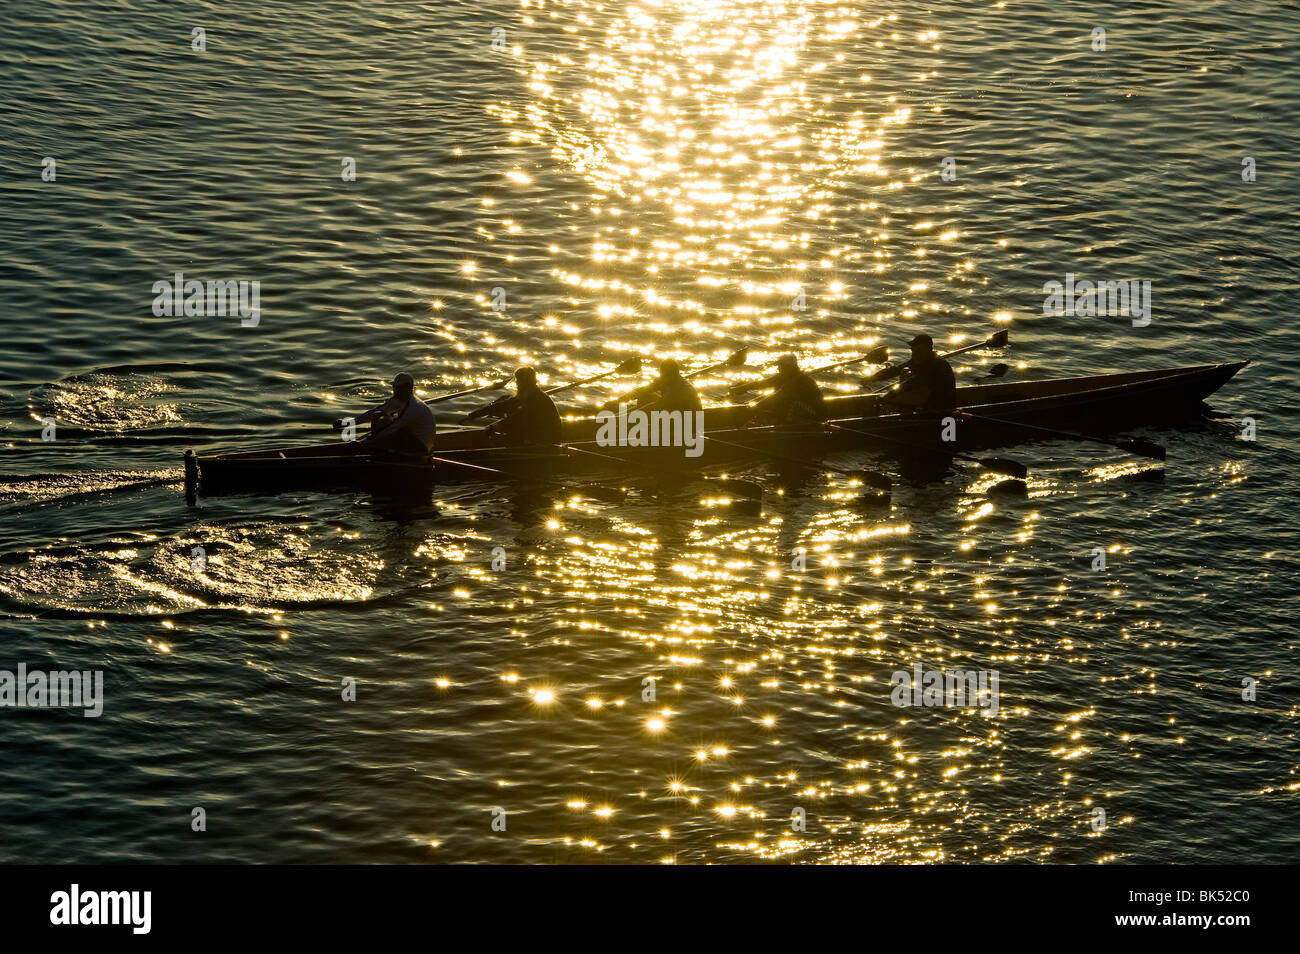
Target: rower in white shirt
{"x": 402, "y": 425}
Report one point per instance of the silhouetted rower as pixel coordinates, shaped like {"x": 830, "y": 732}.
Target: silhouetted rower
{"x": 529, "y": 417}
{"x": 795, "y": 396}
{"x": 402, "y": 425}
{"x": 929, "y": 384}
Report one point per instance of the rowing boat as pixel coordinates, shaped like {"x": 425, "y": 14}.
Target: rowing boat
{"x": 999, "y": 415}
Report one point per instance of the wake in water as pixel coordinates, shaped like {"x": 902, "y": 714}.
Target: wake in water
{"x": 19, "y": 492}
{"x": 266, "y": 567}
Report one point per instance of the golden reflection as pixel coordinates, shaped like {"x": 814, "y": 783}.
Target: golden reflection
{"x": 718, "y": 161}
{"x": 719, "y": 141}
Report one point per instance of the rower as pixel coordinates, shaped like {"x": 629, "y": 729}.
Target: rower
{"x": 529, "y": 417}
{"x": 670, "y": 391}
{"x": 928, "y": 382}
{"x": 795, "y": 398}
{"x": 402, "y": 425}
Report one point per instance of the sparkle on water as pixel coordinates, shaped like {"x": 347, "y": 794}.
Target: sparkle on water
{"x": 676, "y": 178}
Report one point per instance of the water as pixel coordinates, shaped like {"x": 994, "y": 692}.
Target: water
{"x": 656, "y": 179}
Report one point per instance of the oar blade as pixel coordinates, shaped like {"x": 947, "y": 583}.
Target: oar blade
{"x": 1143, "y": 448}
{"x": 875, "y": 480}
{"x": 606, "y": 493}
{"x": 871, "y": 497}
{"x": 1012, "y": 488}
{"x": 1000, "y": 339}
{"x": 1001, "y": 465}
{"x": 746, "y": 507}
{"x": 736, "y": 485}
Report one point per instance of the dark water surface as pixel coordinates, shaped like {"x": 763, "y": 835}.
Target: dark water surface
{"x": 656, "y": 179}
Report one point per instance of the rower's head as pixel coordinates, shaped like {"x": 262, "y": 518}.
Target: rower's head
{"x": 668, "y": 368}
{"x": 787, "y": 364}
{"x": 525, "y": 379}
{"x": 403, "y": 386}
{"x": 922, "y": 346}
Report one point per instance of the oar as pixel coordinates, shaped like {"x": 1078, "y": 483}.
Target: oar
{"x": 871, "y": 478}
{"x": 130, "y": 485}
{"x": 630, "y": 366}
{"x": 609, "y": 494}
{"x": 1134, "y": 445}
{"x": 460, "y": 463}
{"x": 997, "y": 371}
{"x": 494, "y": 386}
{"x": 746, "y": 488}
{"x": 875, "y": 356}
{"x": 736, "y": 359}
{"x": 998, "y": 340}
{"x": 999, "y": 465}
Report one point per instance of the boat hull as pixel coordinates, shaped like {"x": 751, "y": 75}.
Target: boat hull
{"x": 987, "y": 416}
{"x": 237, "y": 473}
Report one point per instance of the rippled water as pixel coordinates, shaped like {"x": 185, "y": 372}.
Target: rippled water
{"x": 657, "y": 179}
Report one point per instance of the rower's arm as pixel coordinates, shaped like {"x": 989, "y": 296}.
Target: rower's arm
{"x": 913, "y": 392}
{"x": 401, "y": 424}
{"x": 889, "y": 372}
{"x": 763, "y": 384}
{"x": 363, "y": 417}
{"x": 509, "y": 425}
{"x": 502, "y": 405}
{"x": 635, "y": 396}
{"x": 366, "y": 416}
{"x": 506, "y": 410}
